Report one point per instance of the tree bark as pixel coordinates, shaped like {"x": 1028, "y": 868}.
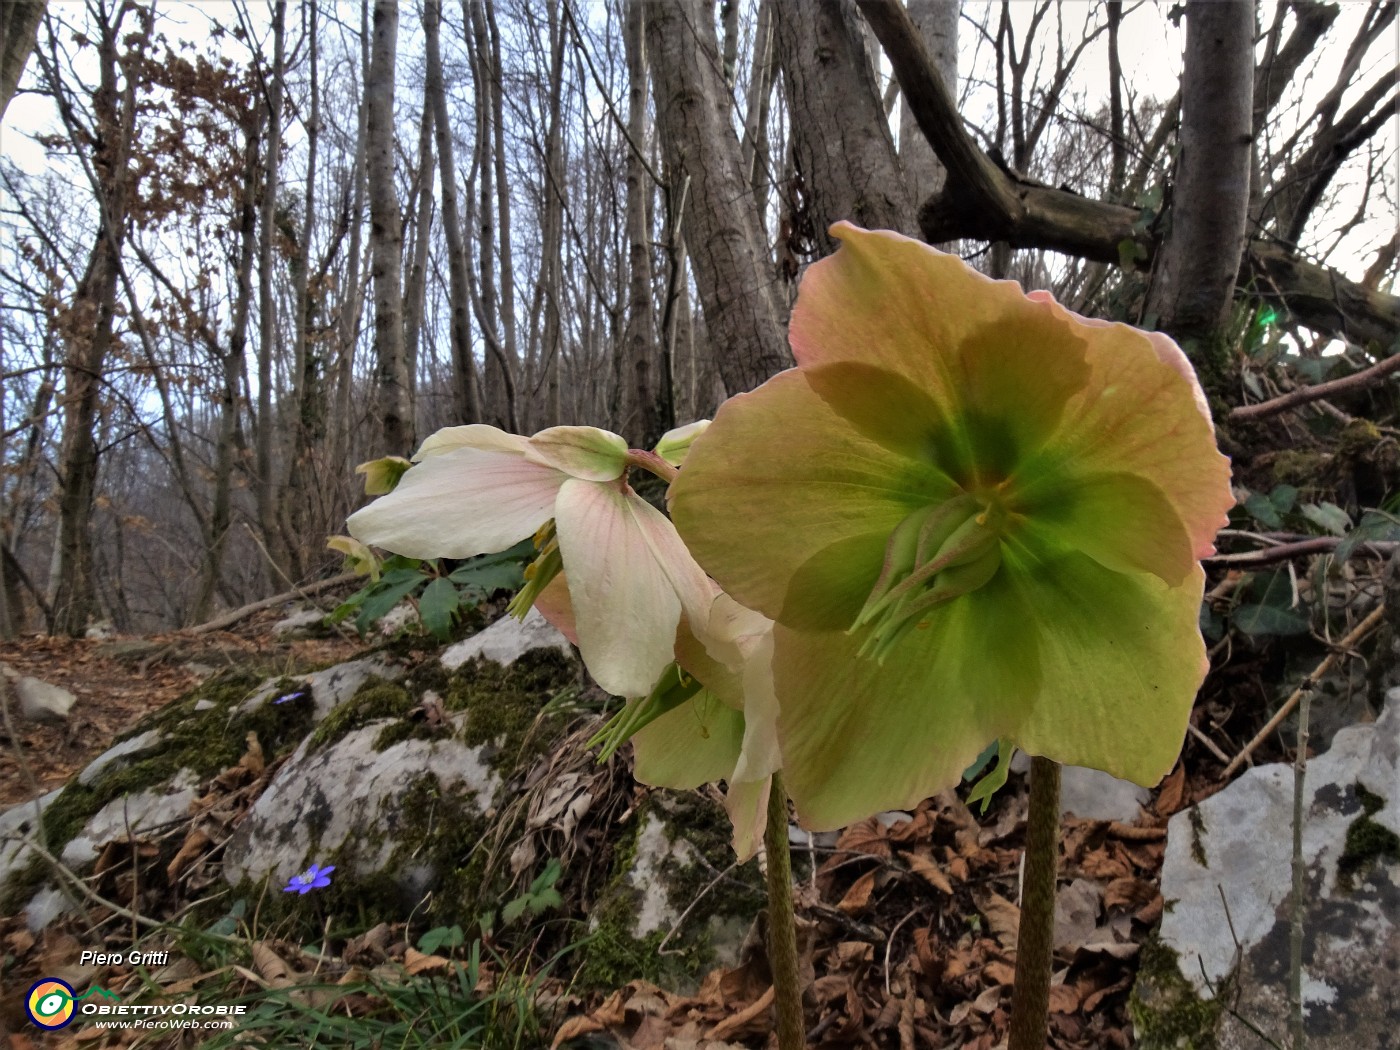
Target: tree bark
{"x": 721, "y": 226}
{"x": 395, "y": 406}
{"x": 464, "y": 390}
{"x": 937, "y": 23}
{"x": 1193, "y": 286}
{"x": 842, "y": 145}
{"x": 643, "y": 421}
{"x": 19, "y": 29}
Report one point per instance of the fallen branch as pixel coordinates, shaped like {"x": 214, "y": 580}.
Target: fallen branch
{"x": 1288, "y": 551}
{"x": 1317, "y": 391}
{"x": 307, "y": 591}
{"x": 1355, "y": 635}
{"x": 985, "y": 202}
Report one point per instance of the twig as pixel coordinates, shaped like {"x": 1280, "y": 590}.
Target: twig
{"x": 1356, "y": 634}
{"x": 1208, "y": 743}
{"x": 889, "y": 946}
{"x": 675, "y": 926}
{"x": 306, "y": 591}
{"x": 1287, "y": 551}
{"x": 1317, "y": 391}
{"x": 82, "y": 887}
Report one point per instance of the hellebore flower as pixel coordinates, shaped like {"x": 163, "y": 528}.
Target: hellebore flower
{"x": 476, "y": 490}
{"x": 973, "y": 514}
{"x": 313, "y": 878}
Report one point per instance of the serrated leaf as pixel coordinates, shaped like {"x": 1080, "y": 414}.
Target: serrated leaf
{"x": 1284, "y": 497}
{"x": 544, "y": 900}
{"x": 441, "y": 937}
{"x": 437, "y": 606}
{"x": 1261, "y": 509}
{"x": 514, "y": 910}
{"x": 1268, "y": 619}
{"x": 385, "y": 597}
{"x": 1327, "y": 516}
{"x": 1374, "y": 525}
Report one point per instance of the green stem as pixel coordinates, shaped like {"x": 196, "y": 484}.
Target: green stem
{"x": 782, "y": 930}
{"x": 1030, "y": 999}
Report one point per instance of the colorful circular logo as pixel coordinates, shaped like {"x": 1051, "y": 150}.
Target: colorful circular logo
{"x": 50, "y": 1003}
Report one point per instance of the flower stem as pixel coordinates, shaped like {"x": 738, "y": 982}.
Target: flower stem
{"x": 1030, "y": 999}
{"x": 637, "y": 457}
{"x": 782, "y": 930}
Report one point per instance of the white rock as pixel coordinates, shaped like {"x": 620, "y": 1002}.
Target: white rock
{"x": 1227, "y": 882}
{"x": 654, "y": 849}
{"x": 320, "y": 800}
{"x": 146, "y": 741}
{"x": 396, "y": 619}
{"x": 20, "y": 819}
{"x": 132, "y": 815}
{"x": 506, "y": 640}
{"x": 329, "y": 688}
{"x": 1092, "y": 794}
{"x": 42, "y": 702}
{"x": 298, "y": 624}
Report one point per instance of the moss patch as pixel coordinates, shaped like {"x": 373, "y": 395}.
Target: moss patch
{"x": 374, "y": 700}
{"x": 1366, "y": 841}
{"x": 1167, "y": 1013}
{"x": 504, "y": 705}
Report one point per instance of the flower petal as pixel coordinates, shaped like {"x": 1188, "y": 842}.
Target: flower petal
{"x": 1121, "y": 659}
{"x": 693, "y": 744}
{"x": 997, "y": 366}
{"x": 747, "y": 805}
{"x": 459, "y": 504}
{"x": 1142, "y": 412}
{"x": 473, "y": 435}
{"x": 586, "y": 453}
{"x": 859, "y": 736}
{"x": 624, "y": 598}
{"x": 781, "y": 461}
{"x": 674, "y": 444}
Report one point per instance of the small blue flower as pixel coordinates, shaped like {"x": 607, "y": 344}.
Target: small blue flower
{"x": 290, "y": 696}
{"x": 313, "y": 878}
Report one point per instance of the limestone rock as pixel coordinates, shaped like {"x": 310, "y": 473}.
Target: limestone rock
{"x": 119, "y": 755}
{"x": 1092, "y": 794}
{"x": 506, "y": 640}
{"x": 20, "y": 819}
{"x": 299, "y": 624}
{"x": 1227, "y": 881}
{"x": 130, "y": 816}
{"x": 42, "y": 702}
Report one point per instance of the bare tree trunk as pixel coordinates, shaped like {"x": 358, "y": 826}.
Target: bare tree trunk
{"x": 267, "y": 432}
{"x": 90, "y": 332}
{"x": 1195, "y": 279}
{"x": 465, "y": 400}
{"x": 386, "y": 238}
{"x": 416, "y": 285}
{"x": 496, "y": 86}
{"x": 841, "y": 140}
{"x": 19, "y": 28}
{"x": 643, "y": 421}
{"x": 721, "y": 225}
{"x": 937, "y": 22}
{"x": 220, "y": 513}
{"x": 761, "y": 76}
{"x": 351, "y": 302}
{"x": 552, "y": 229}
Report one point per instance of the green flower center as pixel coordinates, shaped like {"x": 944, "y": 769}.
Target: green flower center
{"x": 934, "y": 555}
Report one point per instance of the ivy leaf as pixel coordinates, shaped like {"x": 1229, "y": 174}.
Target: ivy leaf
{"x": 1257, "y": 619}
{"x": 1328, "y": 517}
{"x": 437, "y": 606}
{"x": 1374, "y": 525}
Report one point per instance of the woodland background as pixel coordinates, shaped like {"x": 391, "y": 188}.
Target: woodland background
{"x": 297, "y": 236}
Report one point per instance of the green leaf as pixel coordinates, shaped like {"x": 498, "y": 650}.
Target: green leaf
{"x": 993, "y": 782}
{"x": 502, "y": 571}
{"x": 1328, "y": 517}
{"x": 514, "y": 910}
{"x": 1212, "y": 626}
{"x": 980, "y": 762}
{"x": 1261, "y": 509}
{"x": 441, "y": 937}
{"x": 1374, "y": 525}
{"x": 544, "y": 900}
{"x": 1256, "y": 619}
{"x": 386, "y": 596}
{"x": 437, "y": 606}
{"x": 1284, "y": 497}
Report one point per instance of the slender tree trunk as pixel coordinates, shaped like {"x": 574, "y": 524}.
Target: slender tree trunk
{"x": 351, "y": 302}
{"x": 395, "y": 404}
{"x": 1195, "y": 278}
{"x": 643, "y": 421}
{"x": 841, "y": 140}
{"x": 465, "y": 399}
{"x": 416, "y": 285}
{"x": 268, "y": 429}
{"x": 90, "y": 333}
{"x": 764, "y": 70}
{"x": 19, "y": 28}
{"x": 220, "y": 511}
{"x": 552, "y": 228}
{"x": 937, "y": 22}
{"x": 496, "y": 86}
{"x": 721, "y": 225}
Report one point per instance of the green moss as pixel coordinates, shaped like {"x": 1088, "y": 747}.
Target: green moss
{"x": 1166, "y": 1011}
{"x": 1198, "y": 836}
{"x": 1366, "y": 841}
{"x": 504, "y": 705}
{"x": 1303, "y": 468}
{"x": 374, "y": 700}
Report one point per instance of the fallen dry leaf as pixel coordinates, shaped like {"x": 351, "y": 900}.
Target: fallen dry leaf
{"x": 857, "y": 898}
{"x": 869, "y": 837}
{"x": 929, "y": 871}
{"x": 1003, "y": 918}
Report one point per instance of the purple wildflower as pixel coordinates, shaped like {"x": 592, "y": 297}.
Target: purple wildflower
{"x": 290, "y": 696}
{"x": 313, "y": 878}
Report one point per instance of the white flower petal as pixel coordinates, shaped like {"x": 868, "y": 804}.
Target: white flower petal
{"x": 473, "y": 435}
{"x": 460, "y": 503}
{"x": 586, "y": 453}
